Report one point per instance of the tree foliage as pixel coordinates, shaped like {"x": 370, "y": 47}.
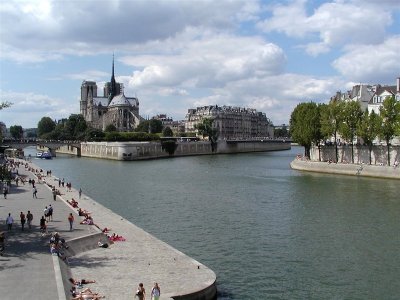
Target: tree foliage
{"x": 110, "y": 128}
{"x": 331, "y": 118}
{"x": 351, "y": 116}
{"x": 150, "y": 126}
{"x": 206, "y": 129}
{"x": 368, "y": 129}
{"x": 16, "y": 131}
{"x": 305, "y": 125}
{"x": 389, "y": 112}
{"x": 5, "y": 104}
{"x": 169, "y": 146}
{"x": 167, "y": 131}
{"x": 46, "y": 125}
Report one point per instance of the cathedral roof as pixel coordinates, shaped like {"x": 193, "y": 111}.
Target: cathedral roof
{"x": 100, "y": 101}
{"x": 120, "y": 100}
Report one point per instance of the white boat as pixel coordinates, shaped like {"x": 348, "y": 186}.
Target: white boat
{"x": 44, "y": 154}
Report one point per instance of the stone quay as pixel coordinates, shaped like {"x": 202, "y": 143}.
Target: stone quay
{"x": 29, "y": 271}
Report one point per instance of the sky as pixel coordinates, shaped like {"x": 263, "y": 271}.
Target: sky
{"x": 175, "y": 55}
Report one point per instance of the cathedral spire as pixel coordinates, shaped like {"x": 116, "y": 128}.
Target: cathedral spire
{"x": 113, "y": 87}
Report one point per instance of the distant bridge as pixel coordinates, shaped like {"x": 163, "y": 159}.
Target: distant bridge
{"x": 51, "y": 145}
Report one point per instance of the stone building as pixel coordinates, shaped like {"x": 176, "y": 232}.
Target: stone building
{"x": 232, "y": 122}
{"x": 177, "y": 127}
{"x": 111, "y": 108}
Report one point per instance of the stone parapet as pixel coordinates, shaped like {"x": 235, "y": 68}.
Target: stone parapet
{"x": 346, "y": 169}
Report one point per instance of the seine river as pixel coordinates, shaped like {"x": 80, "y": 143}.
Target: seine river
{"x": 267, "y": 231}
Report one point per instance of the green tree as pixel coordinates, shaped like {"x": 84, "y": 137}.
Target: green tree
{"x": 368, "y": 129}
{"x": 206, "y": 129}
{"x": 75, "y": 127}
{"x": 389, "y": 112}
{"x": 16, "y": 131}
{"x": 351, "y": 116}
{"x": 110, "y": 128}
{"x": 331, "y": 118}
{"x": 93, "y": 135}
{"x": 281, "y": 132}
{"x": 143, "y": 126}
{"x": 305, "y": 125}
{"x": 150, "y": 126}
{"x": 155, "y": 126}
{"x": 45, "y": 125}
{"x": 167, "y": 131}
{"x": 5, "y": 104}
{"x": 5, "y": 173}
{"x": 169, "y": 146}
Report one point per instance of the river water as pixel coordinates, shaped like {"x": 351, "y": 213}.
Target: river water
{"x": 267, "y": 231}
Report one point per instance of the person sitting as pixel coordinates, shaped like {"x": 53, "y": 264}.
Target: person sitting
{"x": 101, "y": 244}
{"x": 86, "y": 294}
{"x": 73, "y": 203}
{"x": 106, "y": 230}
{"x": 88, "y": 221}
{"x": 115, "y": 237}
{"x": 80, "y": 282}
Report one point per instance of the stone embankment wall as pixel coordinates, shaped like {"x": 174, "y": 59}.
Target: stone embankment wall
{"x": 346, "y": 169}
{"x": 149, "y": 150}
{"x": 361, "y": 154}
{"x": 67, "y": 149}
{"x": 255, "y": 146}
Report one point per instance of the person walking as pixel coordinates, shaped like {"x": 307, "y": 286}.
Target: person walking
{"x": 50, "y": 213}
{"x": 43, "y": 227}
{"x": 155, "y": 292}
{"x": 29, "y": 218}
{"x": 80, "y": 193}
{"x": 34, "y": 192}
{"x": 23, "y": 220}
{"x": 9, "y": 222}
{"x": 71, "y": 221}
{"x": 141, "y": 292}
{"x": 54, "y": 194}
{"x": 5, "y": 191}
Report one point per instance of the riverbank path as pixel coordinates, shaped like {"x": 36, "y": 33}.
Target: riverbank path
{"x": 26, "y": 268}
{"x": 29, "y": 271}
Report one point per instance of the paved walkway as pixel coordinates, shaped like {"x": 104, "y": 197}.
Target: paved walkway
{"x": 27, "y": 268}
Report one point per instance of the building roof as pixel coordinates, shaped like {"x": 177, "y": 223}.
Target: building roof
{"x": 103, "y": 101}
{"x": 119, "y": 100}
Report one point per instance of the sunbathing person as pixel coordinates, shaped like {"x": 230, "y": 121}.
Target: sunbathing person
{"x": 80, "y": 282}
{"x": 88, "y": 221}
{"x": 73, "y": 203}
{"x": 86, "y": 294}
{"x": 115, "y": 237}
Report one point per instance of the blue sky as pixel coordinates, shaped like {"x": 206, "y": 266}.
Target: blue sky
{"x": 176, "y": 55}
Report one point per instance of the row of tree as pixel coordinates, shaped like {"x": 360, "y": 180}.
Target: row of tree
{"x": 311, "y": 124}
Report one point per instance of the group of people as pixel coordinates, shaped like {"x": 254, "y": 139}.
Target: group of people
{"x": 84, "y": 293}
{"x": 57, "y": 244}
{"x": 155, "y": 292}
{"x": 23, "y": 219}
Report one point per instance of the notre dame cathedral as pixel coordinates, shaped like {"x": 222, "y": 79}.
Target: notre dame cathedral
{"x": 113, "y": 108}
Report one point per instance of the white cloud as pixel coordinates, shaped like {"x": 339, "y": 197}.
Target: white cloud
{"x": 28, "y": 108}
{"x": 209, "y": 61}
{"x": 336, "y": 24}
{"x": 371, "y": 63}
{"x": 93, "y": 75}
{"x": 66, "y": 27}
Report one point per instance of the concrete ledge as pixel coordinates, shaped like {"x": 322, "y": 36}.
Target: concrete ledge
{"x": 209, "y": 292}
{"x": 388, "y": 172}
{"x": 84, "y": 243}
